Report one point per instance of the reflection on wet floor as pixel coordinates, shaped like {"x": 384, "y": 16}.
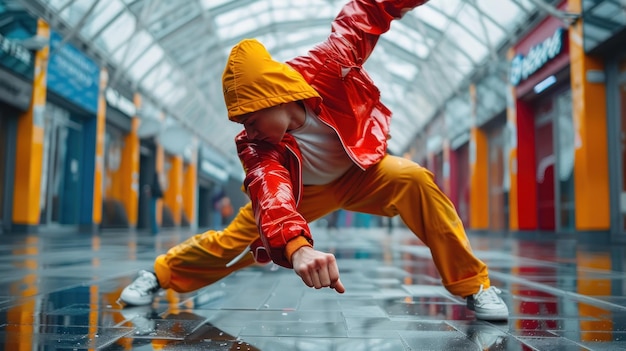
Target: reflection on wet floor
{"x": 59, "y": 292}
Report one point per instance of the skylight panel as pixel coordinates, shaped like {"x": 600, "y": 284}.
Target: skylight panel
{"x": 178, "y": 94}
{"x": 102, "y": 15}
{"x": 505, "y": 13}
{"x": 118, "y": 32}
{"x": 469, "y": 20}
{"x": 77, "y": 9}
{"x": 146, "y": 62}
{"x": 430, "y": 16}
{"x": 450, "y": 7}
{"x": 243, "y": 25}
{"x": 135, "y": 46}
{"x": 57, "y": 4}
{"x": 211, "y": 4}
{"x": 156, "y": 75}
{"x": 467, "y": 43}
{"x": 410, "y": 40}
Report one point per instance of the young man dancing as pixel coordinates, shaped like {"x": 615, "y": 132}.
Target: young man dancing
{"x": 314, "y": 141}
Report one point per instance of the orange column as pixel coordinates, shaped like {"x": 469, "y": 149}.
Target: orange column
{"x": 479, "y": 172}
{"x": 173, "y": 196}
{"x": 100, "y": 131}
{"x": 129, "y": 169}
{"x": 591, "y": 178}
{"x": 30, "y": 139}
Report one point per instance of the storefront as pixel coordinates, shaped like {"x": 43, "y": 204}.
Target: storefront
{"x": 540, "y": 76}
{"x": 69, "y": 148}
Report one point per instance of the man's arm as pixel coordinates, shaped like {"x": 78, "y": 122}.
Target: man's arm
{"x": 361, "y": 22}
{"x": 284, "y": 232}
{"x": 270, "y": 186}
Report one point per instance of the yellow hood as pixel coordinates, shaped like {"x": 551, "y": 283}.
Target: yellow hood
{"x": 252, "y": 80}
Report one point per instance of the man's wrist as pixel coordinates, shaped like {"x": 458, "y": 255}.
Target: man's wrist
{"x": 294, "y": 245}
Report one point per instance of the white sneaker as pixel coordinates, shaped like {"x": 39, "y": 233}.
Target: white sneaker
{"x": 142, "y": 290}
{"x": 488, "y": 305}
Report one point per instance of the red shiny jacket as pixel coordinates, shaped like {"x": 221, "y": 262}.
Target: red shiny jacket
{"x": 350, "y": 104}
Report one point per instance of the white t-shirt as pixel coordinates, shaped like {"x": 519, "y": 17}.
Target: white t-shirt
{"x": 323, "y": 156}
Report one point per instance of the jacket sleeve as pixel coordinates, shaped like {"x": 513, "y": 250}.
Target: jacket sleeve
{"x": 361, "y": 22}
{"x": 351, "y": 100}
{"x": 270, "y": 186}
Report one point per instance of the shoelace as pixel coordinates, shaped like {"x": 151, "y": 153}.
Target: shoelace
{"x": 239, "y": 257}
{"x": 488, "y": 296}
{"x": 143, "y": 283}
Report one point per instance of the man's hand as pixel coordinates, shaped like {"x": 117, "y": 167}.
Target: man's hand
{"x": 317, "y": 269}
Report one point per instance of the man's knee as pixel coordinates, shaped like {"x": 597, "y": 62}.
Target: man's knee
{"x": 416, "y": 175}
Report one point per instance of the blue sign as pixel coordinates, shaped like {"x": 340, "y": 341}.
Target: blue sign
{"x": 72, "y": 74}
{"x": 16, "y": 26}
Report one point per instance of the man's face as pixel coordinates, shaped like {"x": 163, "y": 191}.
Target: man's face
{"x": 268, "y": 125}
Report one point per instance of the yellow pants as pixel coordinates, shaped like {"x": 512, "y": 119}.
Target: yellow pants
{"x": 395, "y": 186}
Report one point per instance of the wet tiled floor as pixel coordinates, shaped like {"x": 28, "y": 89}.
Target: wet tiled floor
{"x": 59, "y": 292}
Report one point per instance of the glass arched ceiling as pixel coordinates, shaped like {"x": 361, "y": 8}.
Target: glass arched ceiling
{"x": 174, "y": 51}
